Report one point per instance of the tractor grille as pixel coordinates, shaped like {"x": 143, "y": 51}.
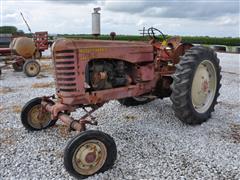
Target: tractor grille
{"x": 66, "y": 70}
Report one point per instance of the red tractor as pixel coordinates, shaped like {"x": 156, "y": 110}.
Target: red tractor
{"x": 90, "y": 73}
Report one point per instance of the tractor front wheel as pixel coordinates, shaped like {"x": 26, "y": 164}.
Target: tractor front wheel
{"x": 196, "y": 85}
{"x": 89, "y": 153}
{"x": 31, "y": 116}
{"x": 31, "y": 68}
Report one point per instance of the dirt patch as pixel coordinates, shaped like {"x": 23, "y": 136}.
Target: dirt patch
{"x": 40, "y": 76}
{"x": 5, "y": 90}
{"x": 43, "y": 85}
{"x": 235, "y": 132}
{"x": 8, "y": 138}
{"x": 229, "y": 105}
{"x": 16, "y": 108}
{"x": 7, "y": 141}
{"x": 47, "y": 68}
{"x": 2, "y": 108}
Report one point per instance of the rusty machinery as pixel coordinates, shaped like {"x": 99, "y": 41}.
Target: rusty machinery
{"x": 23, "y": 52}
{"x": 20, "y": 55}
{"x": 90, "y": 73}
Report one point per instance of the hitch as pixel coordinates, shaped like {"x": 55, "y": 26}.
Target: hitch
{"x": 62, "y": 112}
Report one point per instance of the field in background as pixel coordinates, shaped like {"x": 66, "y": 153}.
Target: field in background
{"x": 227, "y": 41}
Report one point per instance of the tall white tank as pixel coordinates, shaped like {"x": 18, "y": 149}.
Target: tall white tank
{"x": 96, "y": 22}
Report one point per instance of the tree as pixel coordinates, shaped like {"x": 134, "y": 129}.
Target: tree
{"x": 20, "y": 32}
{"x": 8, "y": 29}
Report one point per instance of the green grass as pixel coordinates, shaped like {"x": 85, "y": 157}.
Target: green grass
{"x": 227, "y": 41}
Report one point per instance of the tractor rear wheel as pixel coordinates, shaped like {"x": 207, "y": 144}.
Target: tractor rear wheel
{"x": 31, "y": 68}
{"x": 89, "y": 153}
{"x": 134, "y": 101}
{"x": 30, "y": 116}
{"x": 196, "y": 85}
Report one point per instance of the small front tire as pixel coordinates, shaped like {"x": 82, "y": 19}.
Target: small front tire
{"x": 30, "y": 116}
{"x": 89, "y": 153}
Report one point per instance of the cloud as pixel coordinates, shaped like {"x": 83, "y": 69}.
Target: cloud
{"x": 81, "y": 2}
{"x": 176, "y": 8}
{"x": 213, "y": 18}
{"x": 228, "y": 20}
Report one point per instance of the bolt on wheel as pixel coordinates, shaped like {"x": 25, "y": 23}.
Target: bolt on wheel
{"x": 204, "y": 86}
{"x": 89, "y": 153}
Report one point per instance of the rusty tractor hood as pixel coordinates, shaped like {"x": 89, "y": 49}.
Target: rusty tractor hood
{"x": 132, "y": 51}
{"x": 62, "y": 44}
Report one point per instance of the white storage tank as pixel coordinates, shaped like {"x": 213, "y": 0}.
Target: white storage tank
{"x": 23, "y": 46}
{"x": 96, "y": 22}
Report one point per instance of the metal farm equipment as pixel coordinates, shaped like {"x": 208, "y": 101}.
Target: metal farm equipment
{"x": 90, "y": 73}
{"x": 41, "y": 43}
{"x": 23, "y": 52}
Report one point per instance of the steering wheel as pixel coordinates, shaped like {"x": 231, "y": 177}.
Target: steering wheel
{"x": 153, "y": 31}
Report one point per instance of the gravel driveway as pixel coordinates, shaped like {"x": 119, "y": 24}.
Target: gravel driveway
{"x": 152, "y": 143}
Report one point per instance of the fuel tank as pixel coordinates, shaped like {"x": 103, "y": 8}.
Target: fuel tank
{"x": 23, "y": 46}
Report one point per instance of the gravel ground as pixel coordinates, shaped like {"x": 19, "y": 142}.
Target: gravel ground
{"x": 152, "y": 143}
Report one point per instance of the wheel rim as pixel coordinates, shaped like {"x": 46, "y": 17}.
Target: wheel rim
{"x": 204, "y": 86}
{"x": 89, "y": 157}
{"x": 35, "y": 120}
{"x": 32, "y": 68}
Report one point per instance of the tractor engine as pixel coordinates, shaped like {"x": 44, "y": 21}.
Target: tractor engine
{"x": 106, "y": 74}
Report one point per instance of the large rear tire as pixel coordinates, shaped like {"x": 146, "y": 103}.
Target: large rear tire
{"x": 196, "y": 85}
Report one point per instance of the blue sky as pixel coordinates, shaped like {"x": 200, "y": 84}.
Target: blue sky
{"x": 175, "y": 17}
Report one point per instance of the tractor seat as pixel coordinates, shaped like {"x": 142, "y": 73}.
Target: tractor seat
{"x": 174, "y": 42}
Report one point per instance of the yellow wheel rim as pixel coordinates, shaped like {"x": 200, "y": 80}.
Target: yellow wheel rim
{"x": 36, "y": 120}
{"x": 204, "y": 86}
{"x": 32, "y": 68}
{"x": 89, "y": 157}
